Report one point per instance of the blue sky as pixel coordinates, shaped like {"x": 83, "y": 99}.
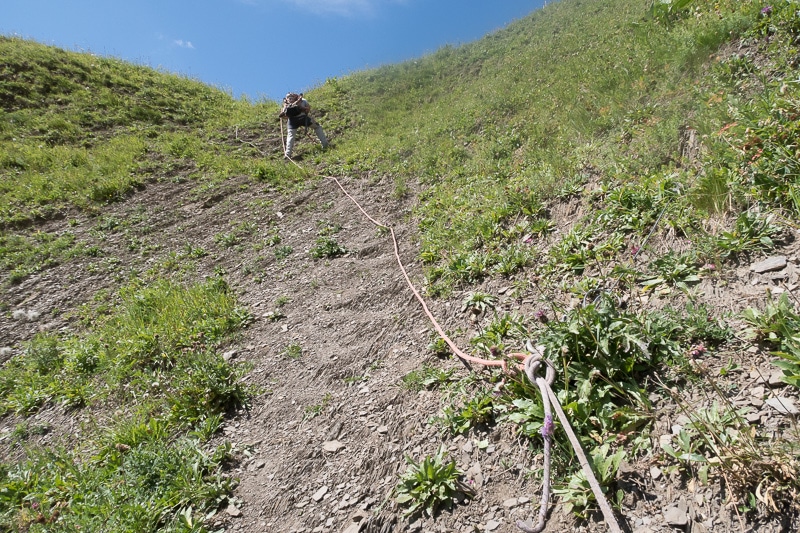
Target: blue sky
{"x": 259, "y": 48}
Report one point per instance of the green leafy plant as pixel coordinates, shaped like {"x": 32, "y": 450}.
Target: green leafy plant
{"x": 684, "y": 448}
{"x": 23, "y": 255}
{"x": 667, "y": 11}
{"x": 227, "y": 240}
{"x": 293, "y": 351}
{"x": 541, "y": 227}
{"x": 282, "y": 252}
{"x": 778, "y": 324}
{"x": 312, "y": 411}
{"x": 577, "y": 494}
{"x": 438, "y": 346}
{"x": 751, "y": 233}
{"x": 711, "y": 436}
{"x": 327, "y": 248}
{"x": 427, "y": 377}
{"x": 153, "y": 355}
{"x": 673, "y": 269}
{"x": 327, "y": 228}
{"x": 475, "y": 411}
{"x": 429, "y": 484}
{"x": 493, "y": 338}
{"x": 604, "y": 350}
{"x": 513, "y": 259}
{"x": 479, "y": 302}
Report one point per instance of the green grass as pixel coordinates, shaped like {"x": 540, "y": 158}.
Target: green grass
{"x": 153, "y": 360}
{"x": 25, "y": 254}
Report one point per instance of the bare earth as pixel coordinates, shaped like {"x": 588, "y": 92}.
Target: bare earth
{"x": 324, "y": 442}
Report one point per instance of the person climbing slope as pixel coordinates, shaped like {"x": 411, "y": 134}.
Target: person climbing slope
{"x": 295, "y": 109}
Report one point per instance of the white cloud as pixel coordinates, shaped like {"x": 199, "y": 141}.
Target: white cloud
{"x": 183, "y": 44}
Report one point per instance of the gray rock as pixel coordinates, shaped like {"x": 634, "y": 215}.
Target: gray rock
{"x": 776, "y": 379}
{"x": 332, "y": 446}
{"x": 475, "y": 475}
{"x": 784, "y": 406}
{"x": 320, "y": 494}
{"x": 29, "y": 315}
{"x": 511, "y": 503}
{"x": 491, "y": 525}
{"x": 255, "y": 465}
{"x": 753, "y": 418}
{"x": 770, "y": 264}
{"x": 233, "y": 511}
{"x": 676, "y": 517}
{"x": 655, "y": 472}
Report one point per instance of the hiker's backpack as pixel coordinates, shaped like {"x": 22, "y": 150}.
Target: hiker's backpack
{"x": 291, "y": 105}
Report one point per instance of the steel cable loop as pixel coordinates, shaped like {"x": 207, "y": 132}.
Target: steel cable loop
{"x": 530, "y": 363}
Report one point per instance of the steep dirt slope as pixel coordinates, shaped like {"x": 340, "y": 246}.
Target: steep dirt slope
{"x": 323, "y": 444}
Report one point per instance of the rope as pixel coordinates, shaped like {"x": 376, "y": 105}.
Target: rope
{"x": 549, "y": 399}
{"x": 530, "y": 363}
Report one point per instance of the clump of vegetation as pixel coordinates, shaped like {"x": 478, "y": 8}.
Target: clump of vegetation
{"x": 293, "y": 350}
{"x": 427, "y": 377}
{"x": 327, "y": 248}
{"x": 778, "y": 325}
{"x": 427, "y": 485}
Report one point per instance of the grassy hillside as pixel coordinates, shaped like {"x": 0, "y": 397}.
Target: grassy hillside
{"x": 669, "y": 129}
{"x": 80, "y": 130}
{"x": 574, "y": 91}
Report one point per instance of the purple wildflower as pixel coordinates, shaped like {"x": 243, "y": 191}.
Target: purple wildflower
{"x": 541, "y": 316}
{"x": 766, "y": 11}
{"x": 548, "y": 427}
{"x": 697, "y": 350}
{"x": 634, "y": 250}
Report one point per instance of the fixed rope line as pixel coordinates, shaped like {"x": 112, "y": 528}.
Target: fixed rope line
{"x": 532, "y": 365}
{"x": 549, "y": 399}
{"x": 529, "y": 363}
{"x": 464, "y": 357}
{"x": 608, "y": 513}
